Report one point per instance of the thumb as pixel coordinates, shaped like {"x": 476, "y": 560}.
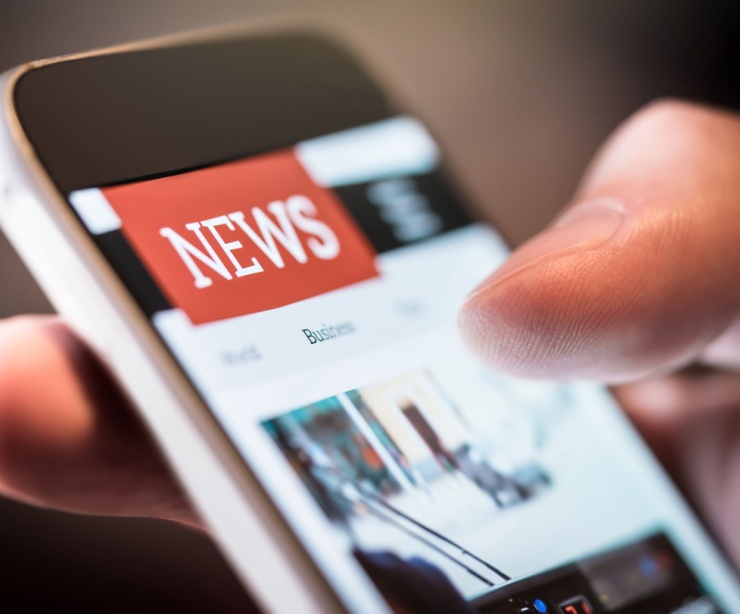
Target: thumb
{"x": 640, "y": 273}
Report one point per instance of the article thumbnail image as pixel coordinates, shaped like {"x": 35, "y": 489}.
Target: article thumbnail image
{"x": 399, "y": 449}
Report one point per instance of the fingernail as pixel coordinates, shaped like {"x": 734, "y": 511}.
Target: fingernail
{"x": 585, "y": 225}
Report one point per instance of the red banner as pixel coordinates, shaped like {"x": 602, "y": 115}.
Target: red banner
{"x": 242, "y": 237}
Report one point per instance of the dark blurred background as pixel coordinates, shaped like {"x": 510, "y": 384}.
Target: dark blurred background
{"x": 521, "y": 93}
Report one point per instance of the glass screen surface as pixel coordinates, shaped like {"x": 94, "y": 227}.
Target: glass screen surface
{"x": 310, "y": 293}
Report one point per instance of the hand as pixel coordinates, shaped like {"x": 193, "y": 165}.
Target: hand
{"x": 68, "y": 437}
{"x": 638, "y": 278}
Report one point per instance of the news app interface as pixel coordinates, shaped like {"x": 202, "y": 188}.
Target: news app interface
{"x": 311, "y": 295}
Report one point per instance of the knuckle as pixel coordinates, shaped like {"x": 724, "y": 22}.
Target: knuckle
{"x": 16, "y": 333}
{"x": 669, "y": 147}
{"x": 670, "y": 109}
{"x": 671, "y": 117}
{"x": 664, "y": 117}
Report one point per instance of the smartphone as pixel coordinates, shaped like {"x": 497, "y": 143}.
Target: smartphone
{"x": 266, "y": 249}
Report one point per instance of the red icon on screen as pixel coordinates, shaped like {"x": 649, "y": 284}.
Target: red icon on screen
{"x": 578, "y": 605}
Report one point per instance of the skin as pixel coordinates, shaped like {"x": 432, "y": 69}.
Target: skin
{"x": 634, "y": 282}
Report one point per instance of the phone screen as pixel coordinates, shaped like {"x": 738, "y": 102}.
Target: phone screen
{"x": 310, "y": 293}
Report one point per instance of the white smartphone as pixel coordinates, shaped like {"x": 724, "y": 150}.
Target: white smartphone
{"x": 265, "y": 248}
